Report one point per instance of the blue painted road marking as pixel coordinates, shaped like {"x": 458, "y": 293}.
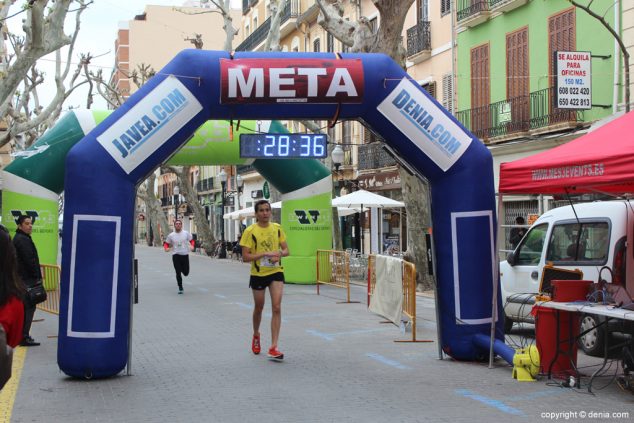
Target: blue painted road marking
{"x": 491, "y": 402}
{"x": 385, "y": 360}
{"x": 332, "y": 336}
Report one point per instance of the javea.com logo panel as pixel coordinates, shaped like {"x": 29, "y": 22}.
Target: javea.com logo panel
{"x": 150, "y": 123}
{"x": 425, "y": 124}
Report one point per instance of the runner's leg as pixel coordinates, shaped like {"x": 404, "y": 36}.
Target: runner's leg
{"x": 185, "y": 264}
{"x": 258, "y": 300}
{"x": 276, "y": 289}
{"x": 177, "y": 269}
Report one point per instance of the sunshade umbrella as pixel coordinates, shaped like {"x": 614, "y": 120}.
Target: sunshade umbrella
{"x": 362, "y": 198}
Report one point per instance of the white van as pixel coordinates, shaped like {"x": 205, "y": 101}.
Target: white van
{"x": 587, "y": 237}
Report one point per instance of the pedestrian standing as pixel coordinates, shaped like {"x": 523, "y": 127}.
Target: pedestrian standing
{"x": 264, "y": 244}
{"x": 11, "y": 292}
{"x": 11, "y": 307}
{"x": 181, "y": 243}
{"x": 28, "y": 270}
{"x": 517, "y": 232}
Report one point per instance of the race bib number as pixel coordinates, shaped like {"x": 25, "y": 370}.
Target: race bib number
{"x": 266, "y": 262}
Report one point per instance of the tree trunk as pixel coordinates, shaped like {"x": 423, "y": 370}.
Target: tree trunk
{"x": 205, "y": 234}
{"x": 415, "y": 196}
{"x": 155, "y": 213}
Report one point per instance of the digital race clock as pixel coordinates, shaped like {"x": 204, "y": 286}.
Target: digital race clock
{"x": 282, "y": 146}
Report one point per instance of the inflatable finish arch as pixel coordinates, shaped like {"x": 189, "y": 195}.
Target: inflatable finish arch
{"x": 103, "y": 169}
{"x": 33, "y": 181}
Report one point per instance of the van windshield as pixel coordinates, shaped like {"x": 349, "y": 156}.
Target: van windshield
{"x": 586, "y": 242}
{"x": 530, "y": 249}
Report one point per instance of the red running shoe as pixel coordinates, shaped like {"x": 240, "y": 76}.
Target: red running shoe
{"x": 255, "y": 344}
{"x": 274, "y": 353}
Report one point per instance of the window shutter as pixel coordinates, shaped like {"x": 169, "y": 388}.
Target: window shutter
{"x": 447, "y": 92}
{"x": 445, "y": 7}
{"x": 561, "y": 34}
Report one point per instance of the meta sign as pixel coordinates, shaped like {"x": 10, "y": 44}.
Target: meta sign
{"x": 291, "y": 81}
{"x": 574, "y": 79}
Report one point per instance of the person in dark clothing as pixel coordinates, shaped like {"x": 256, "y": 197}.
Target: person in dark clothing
{"x": 28, "y": 270}
{"x": 518, "y": 232}
{"x": 11, "y": 307}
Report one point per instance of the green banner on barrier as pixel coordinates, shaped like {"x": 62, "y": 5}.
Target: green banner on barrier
{"x": 44, "y": 215}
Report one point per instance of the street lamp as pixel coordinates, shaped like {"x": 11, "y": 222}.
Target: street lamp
{"x": 337, "y": 156}
{"x": 177, "y": 192}
{"x": 240, "y": 184}
{"x": 222, "y": 176}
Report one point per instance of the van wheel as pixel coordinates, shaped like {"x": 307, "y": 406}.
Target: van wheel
{"x": 508, "y": 324}
{"x": 592, "y": 342}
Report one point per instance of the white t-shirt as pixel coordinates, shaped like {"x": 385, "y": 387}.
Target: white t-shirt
{"x": 179, "y": 241}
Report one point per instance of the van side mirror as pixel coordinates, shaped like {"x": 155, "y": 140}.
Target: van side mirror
{"x": 510, "y": 258}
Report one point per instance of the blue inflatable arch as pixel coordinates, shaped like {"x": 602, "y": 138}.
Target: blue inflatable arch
{"x": 104, "y": 168}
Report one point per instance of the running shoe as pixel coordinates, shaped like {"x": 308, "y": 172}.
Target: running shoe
{"x": 274, "y": 353}
{"x": 180, "y": 289}
{"x": 255, "y": 344}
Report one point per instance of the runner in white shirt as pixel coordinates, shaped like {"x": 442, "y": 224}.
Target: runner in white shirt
{"x": 181, "y": 243}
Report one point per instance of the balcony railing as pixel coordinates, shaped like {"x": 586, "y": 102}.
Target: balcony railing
{"x": 245, "y": 169}
{"x": 419, "y": 38}
{"x": 470, "y": 8}
{"x": 517, "y": 115}
{"x": 205, "y": 185}
{"x": 291, "y": 10}
{"x": 373, "y": 156}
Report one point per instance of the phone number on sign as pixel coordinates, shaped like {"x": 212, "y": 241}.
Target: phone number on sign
{"x": 567, "y": 415}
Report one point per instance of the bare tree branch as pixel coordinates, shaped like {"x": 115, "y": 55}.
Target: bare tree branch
{"x": 617, "y": 37}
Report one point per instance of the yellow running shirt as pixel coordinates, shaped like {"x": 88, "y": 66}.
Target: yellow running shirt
{"x": 261, "y": 240}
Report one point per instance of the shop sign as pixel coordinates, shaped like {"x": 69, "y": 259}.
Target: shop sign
{"x": 574, "y": 80}
{"x": 380, "y": 181}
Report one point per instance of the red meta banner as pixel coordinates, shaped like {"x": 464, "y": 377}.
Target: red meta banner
{"x": 291, "y": 81}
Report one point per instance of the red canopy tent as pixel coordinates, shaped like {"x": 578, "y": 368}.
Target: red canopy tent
{"x": 600, "y": 161}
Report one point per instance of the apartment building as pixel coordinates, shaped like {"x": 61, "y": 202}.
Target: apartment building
{"x": 149, "y": 41}
{"x": 506, "y": 77}
{"x": 366, "y": 165}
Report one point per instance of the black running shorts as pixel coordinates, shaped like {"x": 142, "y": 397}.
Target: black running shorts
{"x": 261, "y": 282}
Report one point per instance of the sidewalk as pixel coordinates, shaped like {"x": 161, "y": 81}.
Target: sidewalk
{"x": 191, "y": 361}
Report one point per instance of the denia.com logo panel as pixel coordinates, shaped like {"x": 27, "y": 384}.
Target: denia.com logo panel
{"x": 425, "y": 124}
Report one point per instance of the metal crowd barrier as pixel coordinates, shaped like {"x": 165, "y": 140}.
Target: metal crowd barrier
{"x": 409, "y": 292}
{"x": 333, "y": 268}
{"x": 50, "y": 278}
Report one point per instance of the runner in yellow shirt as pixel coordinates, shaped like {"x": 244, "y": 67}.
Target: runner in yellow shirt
{"x": 264, "y": 245}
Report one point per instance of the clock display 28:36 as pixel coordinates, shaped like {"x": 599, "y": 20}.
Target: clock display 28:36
{"x": 282, "y": 146}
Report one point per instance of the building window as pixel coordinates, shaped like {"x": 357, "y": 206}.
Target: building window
{"x": 317, "y": 45}
{"x": 295, "y": 44}
{"x": 430, "y": 88}
{"x": 480, "y": 90}
{"x": 445, "y": 7}
{"x": 422, "y": 10}
{"x": 330, "y": 43}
